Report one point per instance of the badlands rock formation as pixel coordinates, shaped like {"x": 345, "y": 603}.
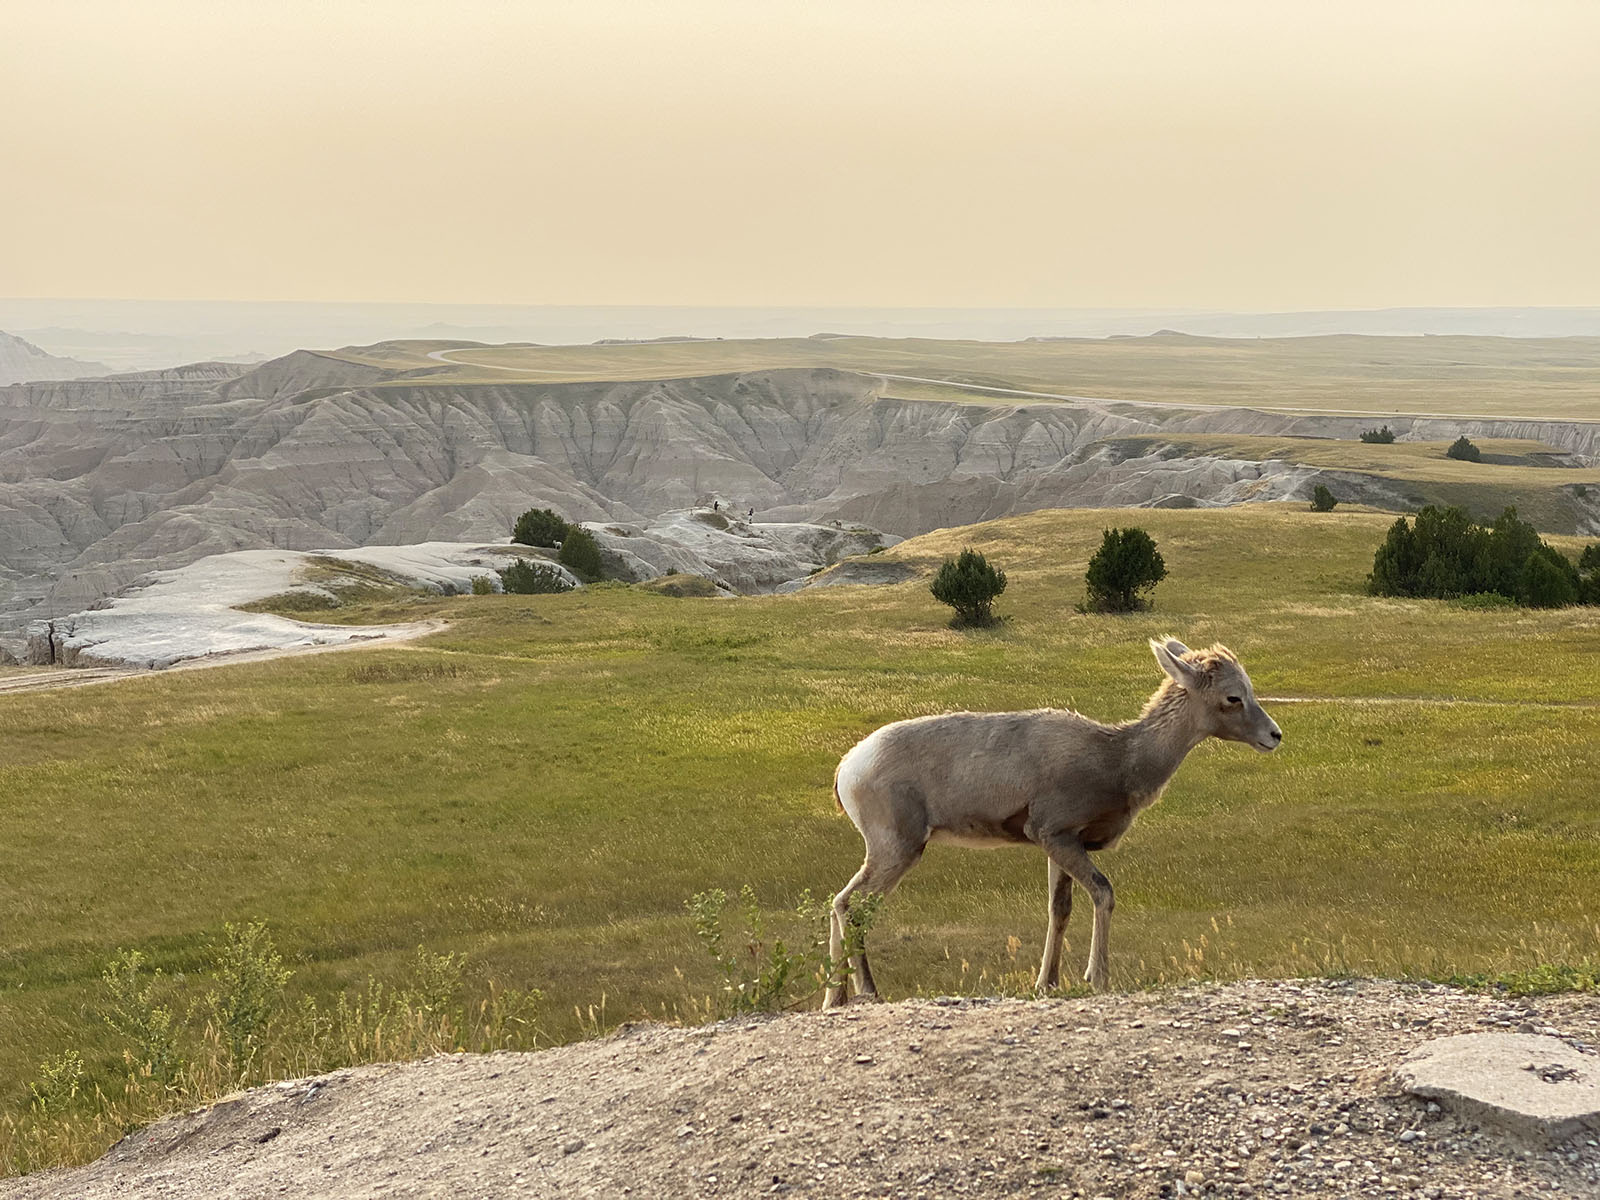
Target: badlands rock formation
{"x": 102, "y": 481}
{"x": 193, "y": 612}
{"x": 22, "y": 362}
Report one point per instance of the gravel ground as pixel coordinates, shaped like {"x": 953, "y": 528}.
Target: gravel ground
{"x": 1249, "y": 1089}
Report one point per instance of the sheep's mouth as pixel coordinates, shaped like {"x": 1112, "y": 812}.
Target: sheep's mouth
{"x": 1267, "y": 747}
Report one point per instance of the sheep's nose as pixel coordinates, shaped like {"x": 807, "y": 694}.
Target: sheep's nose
{"x": 1277, "y": 735}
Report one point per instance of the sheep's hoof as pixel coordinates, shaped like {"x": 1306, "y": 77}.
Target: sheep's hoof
{"x": 833, "y": 998}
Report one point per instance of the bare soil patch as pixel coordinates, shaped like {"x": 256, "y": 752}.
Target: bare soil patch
{"x": 1248, "y": 1089}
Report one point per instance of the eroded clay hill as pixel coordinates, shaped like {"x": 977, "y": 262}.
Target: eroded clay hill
{"x": 1243, "y": 1090}
{"x": 102, "y": 481}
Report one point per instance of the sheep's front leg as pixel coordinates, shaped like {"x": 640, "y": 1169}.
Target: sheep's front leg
{"x": 1060, "y": 908}
{"x": 1068, "y": 854}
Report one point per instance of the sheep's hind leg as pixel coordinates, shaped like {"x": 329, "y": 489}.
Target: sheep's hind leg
{"x": 877, "y": 874}
{"x": 1068, "y": 853}
{"x": 1060, "y": 908}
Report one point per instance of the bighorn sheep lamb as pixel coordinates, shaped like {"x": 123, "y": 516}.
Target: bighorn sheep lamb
{"x": 1049, "y": 777}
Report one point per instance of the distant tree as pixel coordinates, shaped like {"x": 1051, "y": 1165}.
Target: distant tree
{"x": 1378, "y": 436}
{"x": 1464, "y": 450}
{"x": 1123, "y": 571}
{"x": 539, "y": 527}
{"x": 1548, "y": 580}
{"x": 968, "y": 584}
{"x": 581, "y": 552}
{"x": 525, "y": 578}
{"x": 1445, "y": 555}
{"x": 482, "y": 585}
{"x": 1589, "y": 574}
{"x": 1322, "y": 500}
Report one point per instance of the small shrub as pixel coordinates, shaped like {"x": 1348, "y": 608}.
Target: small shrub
{"x": 57, "y": 1087}
{"x": 251, "y": 976}
{"x": 539, "y": 527}
{"x": 1322, "y": 500}
{"x": 1547, "y": 580}
{"x": 1123, "y": 571}
{"x": 1479, "y": 600}
{"x": 1464, "y": 450}
{"x": 762, "y": 971}
{"x": 525, "y": 578}
{"x": 968, "y": 584}
{"x": 1580, "y": 490}
{"x": 1380, "y": 437}
{"x": 482, "y": 585}
{"x": 581, "y": 553}
{"x": 1589, "y": 574}
{"x": 136, "y": 1013}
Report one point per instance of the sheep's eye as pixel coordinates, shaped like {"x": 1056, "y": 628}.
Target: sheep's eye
{"x": 1235, "y": 700}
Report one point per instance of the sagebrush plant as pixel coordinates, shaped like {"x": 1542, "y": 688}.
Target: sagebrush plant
{"x": 140, "y": 1011}
{"x": 764, "y": 971}
{"x": 969, "y": 584}
{"x": 525, "y": 578}
{"x": 250, "y": 979}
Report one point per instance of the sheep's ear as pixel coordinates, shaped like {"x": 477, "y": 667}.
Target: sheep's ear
{"x": 1182, "y": 673}
{"x": 1174, "y": 647}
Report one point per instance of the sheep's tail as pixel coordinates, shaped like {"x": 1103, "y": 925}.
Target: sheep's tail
{"x": 837, "y": 799}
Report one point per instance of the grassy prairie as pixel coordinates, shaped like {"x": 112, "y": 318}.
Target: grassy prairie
{"x": 1524, "y": 473}
{"x": 1475, "y": 376}
{"x": 542, "y": 785}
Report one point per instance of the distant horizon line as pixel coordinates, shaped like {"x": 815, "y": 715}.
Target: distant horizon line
{"x": 930, "y": 308}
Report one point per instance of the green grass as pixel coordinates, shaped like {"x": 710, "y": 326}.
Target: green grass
{"x": 1484, "y": 376}
{"x": 1527, "y": 474}
{"x": 544, "y": 784}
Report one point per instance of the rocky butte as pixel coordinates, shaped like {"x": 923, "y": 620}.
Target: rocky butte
{"x": 105, "y": 480}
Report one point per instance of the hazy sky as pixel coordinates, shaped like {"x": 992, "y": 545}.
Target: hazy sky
{"x": 1222, "y": 154}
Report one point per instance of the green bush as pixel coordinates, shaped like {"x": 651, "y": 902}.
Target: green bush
{"x": 1322, "y": 500}
{"x": 527, "y": 578}
{"x": 1123, "y": 571}
{"x": 539, "y": 527}
{"x": 581, "y": 553}
{"x": 1444, "y": 555}
{"x": 968, "y": 584}
{"x": 482, "y": 585}
{"x": 763, "y": 971}
{"x": 1547, "y": 580}
{"x": 1464, "y": 450}
{"x": 1589, "y": 560}
{"x": 1380, "y": 437}
{"x": 250, "y": 976}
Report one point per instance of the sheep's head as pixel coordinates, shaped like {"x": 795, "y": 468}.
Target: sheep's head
{"x": 1220, "y": 693}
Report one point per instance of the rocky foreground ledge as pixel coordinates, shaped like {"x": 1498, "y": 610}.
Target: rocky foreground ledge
{"x": 1250, "y": 1089}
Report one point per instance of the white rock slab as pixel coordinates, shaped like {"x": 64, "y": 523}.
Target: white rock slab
{"x": 1531, "y": 1085}
{"x": 174, "y": 616}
